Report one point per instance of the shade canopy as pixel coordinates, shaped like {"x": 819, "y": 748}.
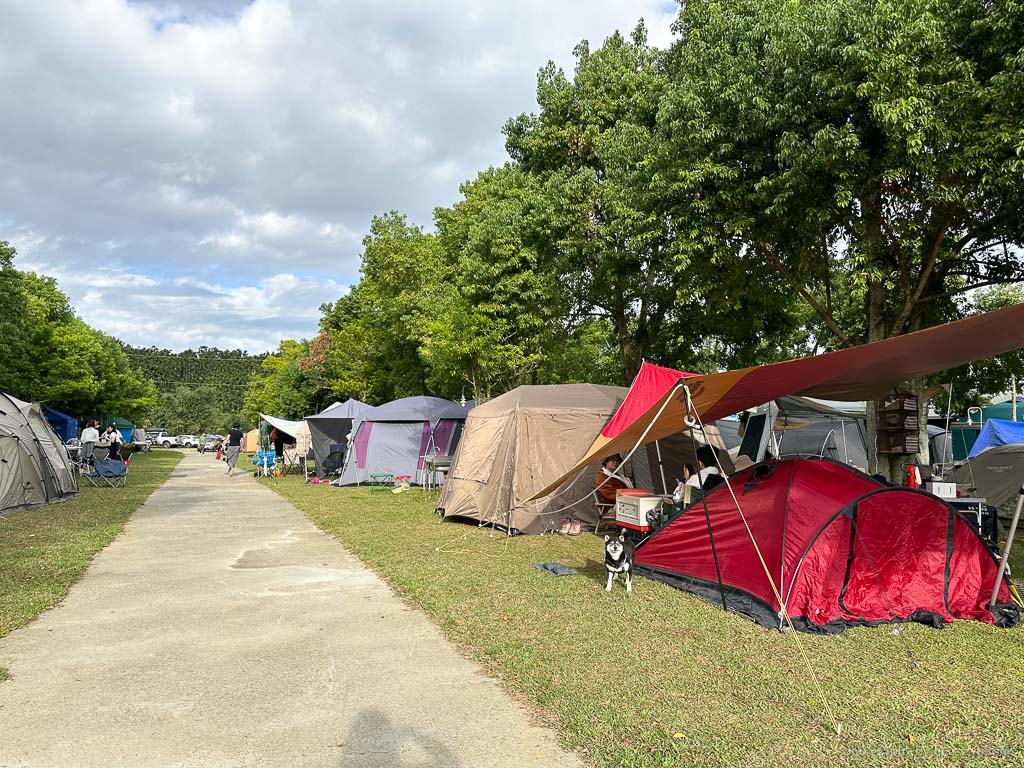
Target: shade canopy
{"x": 866, "y": 372}
{"x": 286, "y": 426}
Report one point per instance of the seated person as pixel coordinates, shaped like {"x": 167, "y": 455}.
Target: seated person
{"x": 707, "y": 475}
{"x": 607, "y": 482}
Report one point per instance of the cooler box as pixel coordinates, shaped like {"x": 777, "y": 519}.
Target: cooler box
{"x": 942, "y": 490}
{"x": 632, "y": 506}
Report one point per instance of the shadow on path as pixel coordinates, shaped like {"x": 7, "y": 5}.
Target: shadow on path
{"x": 375, "y": 741}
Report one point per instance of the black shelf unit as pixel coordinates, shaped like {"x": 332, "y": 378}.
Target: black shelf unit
{"x": 898, "y": 425}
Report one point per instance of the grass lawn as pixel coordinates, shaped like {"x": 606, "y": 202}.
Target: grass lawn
{"x": 43, "y": 551}
{"x": 661, "y": 678}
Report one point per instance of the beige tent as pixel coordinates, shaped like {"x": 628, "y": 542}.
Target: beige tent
{"x": 518, "y": 443}
{"x": 251, "y": 441}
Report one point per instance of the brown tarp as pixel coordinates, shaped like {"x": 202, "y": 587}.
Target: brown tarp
{"x": 867, "y": 372}
{"x": 516, "y": 444}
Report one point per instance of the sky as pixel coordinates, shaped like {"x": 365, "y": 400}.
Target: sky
{"x": 202, "y": 172}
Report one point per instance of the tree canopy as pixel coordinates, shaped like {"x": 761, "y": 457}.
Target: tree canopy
{"x": 51, "y": 356}
{"x": 785, "y": 178}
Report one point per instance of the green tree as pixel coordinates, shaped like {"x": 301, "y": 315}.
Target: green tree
{"x": 188, "y": 410}
{"x": 50, "y": 355}
{"x": 375, "y": 329}
{"x": 281, "y": 387}
{"x": 611, "y": 240}
{"x": 870, "y": 152}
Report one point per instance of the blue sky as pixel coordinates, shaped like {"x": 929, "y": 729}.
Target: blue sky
{"x": 214, "y": 164}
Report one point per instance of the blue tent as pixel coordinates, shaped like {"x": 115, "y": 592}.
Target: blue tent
{"x": 997, "y": 432}
{"x": 65, "y": 426}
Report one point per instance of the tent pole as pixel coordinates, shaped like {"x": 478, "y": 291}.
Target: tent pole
{"x": 707, "y": 515}
{"x": 1006, "y": 550}
{"x": 661, "y": 469}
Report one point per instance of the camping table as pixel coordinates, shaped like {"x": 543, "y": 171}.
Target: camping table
{"x": 431, "y": 466}
{"x": 382, "y": 480}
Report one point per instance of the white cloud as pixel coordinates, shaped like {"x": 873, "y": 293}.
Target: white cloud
{"x": 201, "y": 139}
{"x": 176, "y": 313}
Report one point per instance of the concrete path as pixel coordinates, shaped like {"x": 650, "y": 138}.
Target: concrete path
{"x": 224, "y": 629}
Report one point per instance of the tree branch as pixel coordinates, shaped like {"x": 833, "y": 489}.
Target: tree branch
{"x": 830, "y": 321}
{"x": 922, "y": 281}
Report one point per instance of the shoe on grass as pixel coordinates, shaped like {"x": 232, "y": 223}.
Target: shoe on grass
{"x": 575, "y": 528}
{"x": 566, "y": 526}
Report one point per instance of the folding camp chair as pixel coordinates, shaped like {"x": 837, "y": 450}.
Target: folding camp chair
{"x": 292, "y": 462}
{"x": 265, "y": 462}
{"x": 110, "y": 473}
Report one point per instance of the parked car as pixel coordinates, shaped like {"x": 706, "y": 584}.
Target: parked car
{"x": 164, "y": 440}
{"x": 210, "y": 442}
{"x": 188, "y": 441}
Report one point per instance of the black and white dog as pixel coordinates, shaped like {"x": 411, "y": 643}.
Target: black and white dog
{"x": 618, "y": 558}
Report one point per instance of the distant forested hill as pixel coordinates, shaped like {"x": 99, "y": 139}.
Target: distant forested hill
{"x": 224, "y": 373}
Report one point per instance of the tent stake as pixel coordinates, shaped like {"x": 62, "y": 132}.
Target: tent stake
{"x": 1006, "y": 549}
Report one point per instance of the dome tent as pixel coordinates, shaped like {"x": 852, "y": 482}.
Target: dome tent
{"x": 841, "y": 549}
{"x": 394, "y": 437}
{"x": 34, "y": 467}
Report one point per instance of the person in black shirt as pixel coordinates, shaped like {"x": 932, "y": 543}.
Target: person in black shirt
{"x": 233, "y": 447}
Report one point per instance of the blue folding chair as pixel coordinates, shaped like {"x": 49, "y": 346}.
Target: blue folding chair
{"x": 265, "y": 462}
{"x": 107, "y": 473}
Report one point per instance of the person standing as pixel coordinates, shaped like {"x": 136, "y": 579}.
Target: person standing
{"x": 90, "y": 436}
{"x": 114, "y": 448}
{"x": 233, "y": 447}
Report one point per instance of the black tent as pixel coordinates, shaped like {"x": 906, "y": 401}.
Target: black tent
{"x": 330, "y": 430}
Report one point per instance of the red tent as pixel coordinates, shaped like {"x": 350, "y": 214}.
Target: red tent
{"x": 840, "y": 547}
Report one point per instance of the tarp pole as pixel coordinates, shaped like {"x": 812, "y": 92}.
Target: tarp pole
{"x": 703, "y": 496}
{"x": 661, "y": 469}
{"x": 1006, "y": 550}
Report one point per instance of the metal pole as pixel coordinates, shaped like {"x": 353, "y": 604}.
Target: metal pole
{"x": 661, "y": 469}
{"x": 1006, "y": 549}
{"x": 1013, "y": 397}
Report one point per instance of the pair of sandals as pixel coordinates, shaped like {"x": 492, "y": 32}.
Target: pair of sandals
{"x": 570, "y": 527}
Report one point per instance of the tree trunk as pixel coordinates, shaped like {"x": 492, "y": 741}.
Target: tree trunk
{"x": 875, "y": 311}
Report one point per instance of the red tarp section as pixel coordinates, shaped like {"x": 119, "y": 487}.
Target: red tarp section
{"x": 840, "y": 547}
{"x": 651, "y": 384}
{"x": 867, "y": 372}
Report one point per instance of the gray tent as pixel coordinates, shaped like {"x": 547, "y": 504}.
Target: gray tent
{"x": 996, "y": 474}
{"x": 837, "y": 430}
{"x": 394, "y": 438}
{"x": 330, "y": 430}
{"x": 34, "y": 466}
